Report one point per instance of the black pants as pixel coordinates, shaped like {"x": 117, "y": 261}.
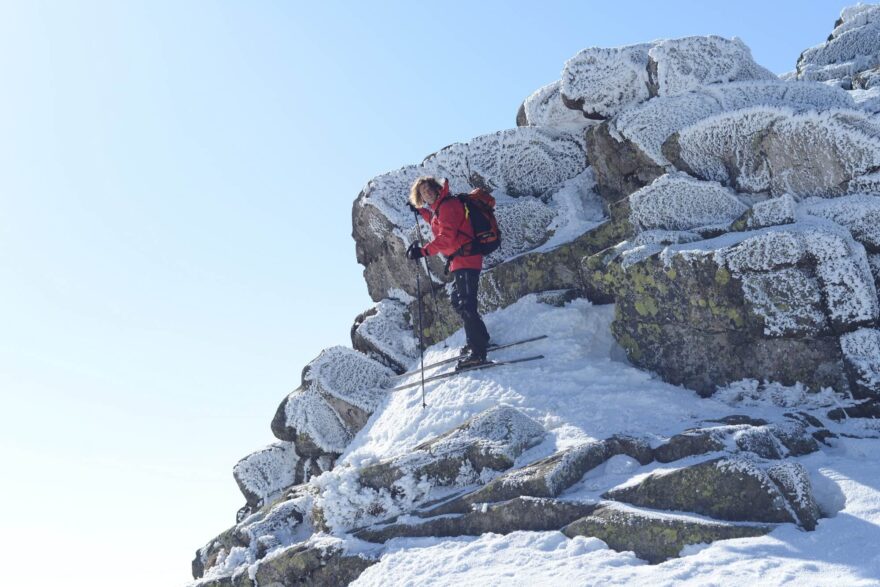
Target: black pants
{"x": 464, "y": 300}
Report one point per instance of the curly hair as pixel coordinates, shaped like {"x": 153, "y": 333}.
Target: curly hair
{"x": 415, "y": 197}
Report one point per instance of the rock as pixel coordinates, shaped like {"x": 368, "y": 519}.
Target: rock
{"x": 385, "y": 333}
{"x": 869, "y": 408}
{"x": 550, "y": 476}
{"x": 519, "y": 514}
{"x": 620, "y": 166}
{"x": 860, "y": 214}
{"x": 772, "y": 149}
{"x": 793, "y": 481}
{"x": 646, "y": 127}
{"x": 308, "y": 564}
{"x": 545, "y": 107}
{"x": 772, "y": 212}
{"x": 861, "y": 352}
{"x": 266, "y": 472}
{"x": 750, "y": 298}
{"x": 853, "y": 47}
{"x": 340, "y": 389}
{"x": 680, "y": 202}
{"x": 688, "y": 444}
{"x": 653, "y": 536}
{"x": 728, "y": 489}
{"x": 601, "y": 82}
{"x": 682, "y": 65}
{"x": 490, "y": 440}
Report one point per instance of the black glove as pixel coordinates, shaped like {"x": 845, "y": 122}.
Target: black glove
{"x": 414, "y": 252}
{"x": 412, "y": 208}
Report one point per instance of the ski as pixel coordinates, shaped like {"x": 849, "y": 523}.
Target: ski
{"x": 474, "y": 368}
{"x": 491, "y": 348}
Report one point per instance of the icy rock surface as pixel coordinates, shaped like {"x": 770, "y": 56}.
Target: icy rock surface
{"x": 340, "y": 389}
{"x": 680, "y": 202}
{"x": 773, "y": 212}
{"x": 545, "y": 108}
{"x": 854, "y": 46}
{"x": 775, "y": 150}
{"x": 858, "y": 213}
{"x": 266, "y": 472}
{"x": 862, "y": 351}
{"x": 650, "y": 124}
{"x": 686, "y": 64}
{"x": 603, "y": 81}
{"x": 385, "y": 334}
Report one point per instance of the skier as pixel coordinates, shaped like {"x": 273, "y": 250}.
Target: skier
{"x": 452, "y": 230}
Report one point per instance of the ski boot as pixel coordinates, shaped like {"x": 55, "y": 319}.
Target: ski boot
{"x": 474, "y": 359}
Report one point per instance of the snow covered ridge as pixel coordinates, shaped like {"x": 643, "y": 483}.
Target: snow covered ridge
{"x": 851, "y": 48}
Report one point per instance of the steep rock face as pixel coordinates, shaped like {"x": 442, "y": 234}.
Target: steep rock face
{"x": 545, "y": 107}
{"x": 773, "y": 303}
{"x": 385, "y": 333}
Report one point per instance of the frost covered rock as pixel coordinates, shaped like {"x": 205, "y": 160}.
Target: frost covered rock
{"x": 266, "y": 472}
{"x": 772, "y": 212}
{"x": 793, "y": 481}
{"x": 727, "y": 489}
{"x": 550, "y": 476}
{"x": 491, "y": 440}
{"x": 861, "y": 351}
{"x": 339, "y": 391}
{"x": 679, "y": 202}
{"x": 518, "y": 514}
{"x": 648, "y": 126}
{"x": 853, "y": 47}
{"x": 681, "y": 65}
{"x": 765, "y": 304}
{"x": 545, "y": 107}
{"x": 653, "y": 536}
{"x": 600, "y": 82}
{"x": 385, "y": 334}
{"x": 768, "y": 441}
{"x": 860, "y": 214}
{"x": 770, "y": 149}
{"x": 319, "y": 562}
{"x": 526, "y": 161}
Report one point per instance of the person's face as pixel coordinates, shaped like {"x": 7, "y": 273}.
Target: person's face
{"x": 427, "y": 194}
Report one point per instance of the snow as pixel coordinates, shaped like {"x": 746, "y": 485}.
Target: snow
{"x": 859, "y": 213}
{"x": 789, "y": 301}
{"x": 676, "y": 201}
{"x": 867, "y": 100}
{"x": 607, "y": 80}
{"x": 773, "y": 212}
{"x": 308, "y": 413}
{"x": 688, "y": 63}
{"x": 349, "y": 375}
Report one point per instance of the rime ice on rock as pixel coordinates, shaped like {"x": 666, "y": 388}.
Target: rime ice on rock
{"x": 266, "y": 471}
{"x": 604, "y": 81}
{"x": 385, "y": 333}
{"x": 861, "y": 349}
{"x": 777, "y": 150}
{"x": 686, "y": 64}
{"x": 524, "y": 225}
{"x": 773, "y": 212}
{"x": 313, "y": 425}
{"x": 348, "y": 375}
{"x": 858, "y": 213}
{"x": 854, "y": 46}
{"x": 545, "y": 108}
{"x": 679, "y": 202}
{"x": 648, "y": 125}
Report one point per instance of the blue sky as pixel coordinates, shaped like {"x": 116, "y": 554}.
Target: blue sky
{"x": 176, "y": 181}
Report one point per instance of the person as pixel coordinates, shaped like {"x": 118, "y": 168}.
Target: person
{"x": 452, "y": 231}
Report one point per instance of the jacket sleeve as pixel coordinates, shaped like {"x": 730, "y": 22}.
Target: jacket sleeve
{"x": 448, "y": 239}
{"x": 426, "y": 216}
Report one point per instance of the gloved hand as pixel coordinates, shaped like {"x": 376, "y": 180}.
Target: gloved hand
{"x": 414, "y": 252}
{"x": 412, "y": 208}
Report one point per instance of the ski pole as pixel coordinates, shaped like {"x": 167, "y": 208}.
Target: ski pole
{"x": 421, "y": 336}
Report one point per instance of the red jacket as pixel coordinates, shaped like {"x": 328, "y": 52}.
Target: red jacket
{"x": 451, "y": 230}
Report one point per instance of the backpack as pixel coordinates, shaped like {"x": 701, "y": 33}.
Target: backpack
{"x": 479, "y": 209}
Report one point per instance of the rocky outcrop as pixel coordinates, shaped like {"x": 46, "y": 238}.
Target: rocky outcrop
{"x": 653, "y": 536}
{"x": 734, "y": 489}
{"x": 850, "y": 49}
{"x": 545, "y": 107}
{"x": 385, "y": 333}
